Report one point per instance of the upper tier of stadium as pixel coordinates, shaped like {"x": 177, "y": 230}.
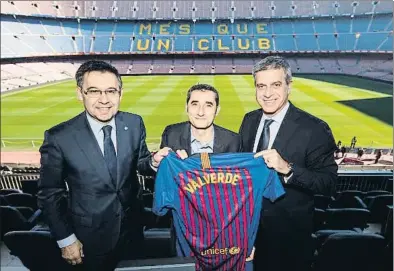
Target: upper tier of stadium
{"x": 25, "y": 36}
{"x": 18, "y": 74}
{"x": 186, "y": 9}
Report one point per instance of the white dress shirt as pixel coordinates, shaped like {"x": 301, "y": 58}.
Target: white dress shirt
{"x": 274, "y": 128}
{"x": 198, "y": 147}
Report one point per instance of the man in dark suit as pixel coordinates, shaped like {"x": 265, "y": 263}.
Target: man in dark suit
{"x": 300, "y": 147}
{"x": 97, "y": 218}
{"x": 200, "y": 134}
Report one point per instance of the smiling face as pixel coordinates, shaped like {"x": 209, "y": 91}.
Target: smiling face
{"x": 202, "y": 109}
{"x": 100, "y": 94}
{"x": 272, "y": 91}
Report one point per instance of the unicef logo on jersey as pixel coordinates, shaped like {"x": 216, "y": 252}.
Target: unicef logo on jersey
{"x": 234, "y": 250}
{"x": 221, "y": 251}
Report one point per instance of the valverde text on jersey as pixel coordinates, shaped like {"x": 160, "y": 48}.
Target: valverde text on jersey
{"x": 212, "y": 178}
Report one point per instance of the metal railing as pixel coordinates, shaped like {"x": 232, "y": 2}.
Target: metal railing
{"x": 28, "y": 143}
{"x": 21, "y": 142}
{"x": 14, "y": 181}
{"x": 365, "y": 180}
{"x": 356, "y": 180}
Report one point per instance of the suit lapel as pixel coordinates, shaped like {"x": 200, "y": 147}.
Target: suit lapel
{"x": 254, "y": 121}
{"x": 286, "y": 131}
{"x": 88, "y": 144}
{"x": 123, "y": 143}
{"x": 185, "y": 138}
{"x": 218, "y": 143}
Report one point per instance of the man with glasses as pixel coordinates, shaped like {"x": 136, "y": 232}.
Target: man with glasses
{"x": 97, "y": 153}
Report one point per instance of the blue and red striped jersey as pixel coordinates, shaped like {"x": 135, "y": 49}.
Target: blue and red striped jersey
{"x": 216, "y": 210}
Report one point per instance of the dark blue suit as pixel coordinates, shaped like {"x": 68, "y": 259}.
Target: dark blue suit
{"x": 284, "y": 240}
{"x": 105, "y": 216}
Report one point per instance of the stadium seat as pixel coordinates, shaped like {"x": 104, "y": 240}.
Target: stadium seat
{"x": 378, "y": 208}
{"x": 13, "y": 220}
{"x": 3, "y": 201}
{"x": 9, "y": 191}
{"x": 22, "y": 200}
{"x": 348, "y": 201}
{"x": 158, "y": 243}
{"x": 387, "y": 226}
{"x": 322, "y": 235}
{"x": 153, "y": 221}
{"x": 388, "y": 257}
{"x": 159, "y": 264}
{"x": 367, "y": 200}
{"x": 27, "y": 212}
{"x": 350, "y": 251}
{"x": 342, "y": 195}
{"x": 30, "y": 187}
{"x": 347, "y": 219}
{"x": 322, "y": 202}
{"x": 319, "y": 218}
{"x": 37, "y": 250}
{"x": 149, "y": 218}
{"x": 376, "y": 193}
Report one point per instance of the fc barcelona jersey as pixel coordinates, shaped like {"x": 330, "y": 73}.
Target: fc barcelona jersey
{"x": 216, "y": 204}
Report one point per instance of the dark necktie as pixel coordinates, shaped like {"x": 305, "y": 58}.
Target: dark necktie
{"x": 265, "y": 136}
{"x": 109, "y": 152}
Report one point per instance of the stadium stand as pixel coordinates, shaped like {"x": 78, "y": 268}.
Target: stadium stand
{"x": 31, "y": 36}
{"x": 362, "y": 207}
{"x": 20, "y": 75}
{"x": 192, "y": 9}
{"x": 16, "y": 75}
{"x": 361, "y": 37}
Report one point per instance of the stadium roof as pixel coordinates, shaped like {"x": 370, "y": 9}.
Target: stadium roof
{"x": 223, "y": 9}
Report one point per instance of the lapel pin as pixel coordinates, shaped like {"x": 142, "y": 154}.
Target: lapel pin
{"x": 126, "y": 128}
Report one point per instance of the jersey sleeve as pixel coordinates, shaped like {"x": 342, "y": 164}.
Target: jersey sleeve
{"x": 274, "y": 188}
{"x": 164, "y": 189}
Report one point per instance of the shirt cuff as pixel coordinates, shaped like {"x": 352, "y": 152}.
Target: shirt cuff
{"x": 152, "y": 166}
{"x": 286, "y": 179}
{"x": 67, "y": 241}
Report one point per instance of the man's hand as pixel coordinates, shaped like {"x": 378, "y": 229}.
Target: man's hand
{"x": 73, "y": 253}
{"x": 274, "y": 160}
{"x": 156, "y": 159}
{"x": 182, "y": 154}
{"x": 251, "y": 256}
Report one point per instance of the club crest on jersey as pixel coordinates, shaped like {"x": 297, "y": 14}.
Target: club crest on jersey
{"x": 213, "y": 178}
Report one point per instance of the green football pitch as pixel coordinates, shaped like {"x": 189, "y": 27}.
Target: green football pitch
{"x": 351, "y": 106}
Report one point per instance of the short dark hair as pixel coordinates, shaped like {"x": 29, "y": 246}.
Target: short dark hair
{"x": 273, "y": 63}
{"x": 96, "y": 65}
{"x": 203, "y": 87}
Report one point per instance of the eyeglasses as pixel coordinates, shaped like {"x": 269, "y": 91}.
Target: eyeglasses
{"x": 95, "y": 93}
